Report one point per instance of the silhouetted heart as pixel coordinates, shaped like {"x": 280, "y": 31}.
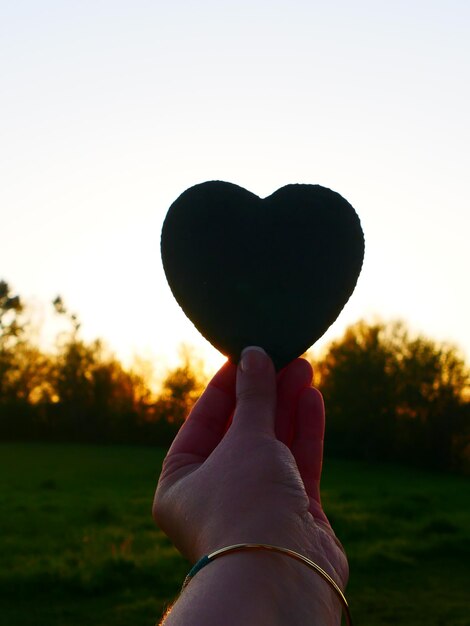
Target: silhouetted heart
{"x": 271, "y": 272}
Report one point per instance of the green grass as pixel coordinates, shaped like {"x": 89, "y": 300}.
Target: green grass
{"x": 78, "y": 544}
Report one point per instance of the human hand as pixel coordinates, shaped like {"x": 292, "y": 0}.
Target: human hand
{"x": 253, "y": 479}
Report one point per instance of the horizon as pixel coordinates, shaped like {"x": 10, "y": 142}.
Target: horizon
{"x": 45, "y": 328}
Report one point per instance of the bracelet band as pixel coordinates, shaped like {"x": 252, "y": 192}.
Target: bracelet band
{"x": 242, "y": 547}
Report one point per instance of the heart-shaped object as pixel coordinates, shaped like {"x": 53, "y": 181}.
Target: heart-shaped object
{"x": 273, "y": 272}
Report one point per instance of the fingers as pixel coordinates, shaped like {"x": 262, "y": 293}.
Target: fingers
{"x": 206, "y": 424}
{"x": 295, "y": 378}
{"x": 256, "y": 392}
{"x": 307, "y": 445}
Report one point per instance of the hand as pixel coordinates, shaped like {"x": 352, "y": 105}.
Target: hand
{"x": 256, "y": 477}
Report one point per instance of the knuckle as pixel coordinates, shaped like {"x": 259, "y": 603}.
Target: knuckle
{"x": 254, "y": 396}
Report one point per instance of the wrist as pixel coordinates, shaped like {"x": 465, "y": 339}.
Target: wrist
{"x": 314, "y": 540}
{"x": 258, "y": 587}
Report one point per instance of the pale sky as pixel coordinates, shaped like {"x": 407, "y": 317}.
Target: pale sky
{"x": 111, "y": 109}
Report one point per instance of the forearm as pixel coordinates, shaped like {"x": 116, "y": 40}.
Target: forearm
{"x": 255, "y": 588}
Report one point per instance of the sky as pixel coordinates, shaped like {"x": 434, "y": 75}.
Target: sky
{"x": 109, "y": 110}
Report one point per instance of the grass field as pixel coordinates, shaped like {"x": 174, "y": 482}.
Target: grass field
{"x": 78, "y": 545}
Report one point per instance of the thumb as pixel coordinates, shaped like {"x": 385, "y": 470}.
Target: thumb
{"x": 256, "y": 391}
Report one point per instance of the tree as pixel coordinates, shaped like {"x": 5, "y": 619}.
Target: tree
{"x": 432, "y": 385}
{"x": 99, "y": 400}
{"x": 179, "y": 390}
{"x": 392, "y": 395}
{"x": 181, "y": 387}
{"x": 11, "y": 330}
{"x": 10, "y": 307}
{"x": 74, "y": 361}
{"x": 356, "y": 379}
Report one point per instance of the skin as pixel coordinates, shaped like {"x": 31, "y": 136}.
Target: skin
{"x": 246, "y": 467}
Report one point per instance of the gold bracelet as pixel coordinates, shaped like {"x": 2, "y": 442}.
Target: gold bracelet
{"x": 241, "y": 547}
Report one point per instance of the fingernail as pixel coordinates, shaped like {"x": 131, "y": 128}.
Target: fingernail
{"x": 253, "y": 359}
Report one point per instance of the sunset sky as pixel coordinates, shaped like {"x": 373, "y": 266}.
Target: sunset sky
{"x": 111, "y": 109}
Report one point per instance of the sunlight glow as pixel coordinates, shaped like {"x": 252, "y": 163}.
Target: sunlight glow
{"x": 111, "y": 111}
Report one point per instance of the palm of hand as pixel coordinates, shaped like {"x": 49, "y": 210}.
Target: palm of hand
{"x": 254, "y": 479}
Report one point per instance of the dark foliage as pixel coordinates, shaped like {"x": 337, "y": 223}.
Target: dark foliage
{"x": 391, "y": 396}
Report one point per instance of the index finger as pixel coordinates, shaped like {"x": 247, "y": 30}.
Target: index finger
{"x": 207, "y": 422}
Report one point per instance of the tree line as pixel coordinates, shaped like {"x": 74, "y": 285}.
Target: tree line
{"x": 80, "y": 391}
{"x": 390, "y": 395}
